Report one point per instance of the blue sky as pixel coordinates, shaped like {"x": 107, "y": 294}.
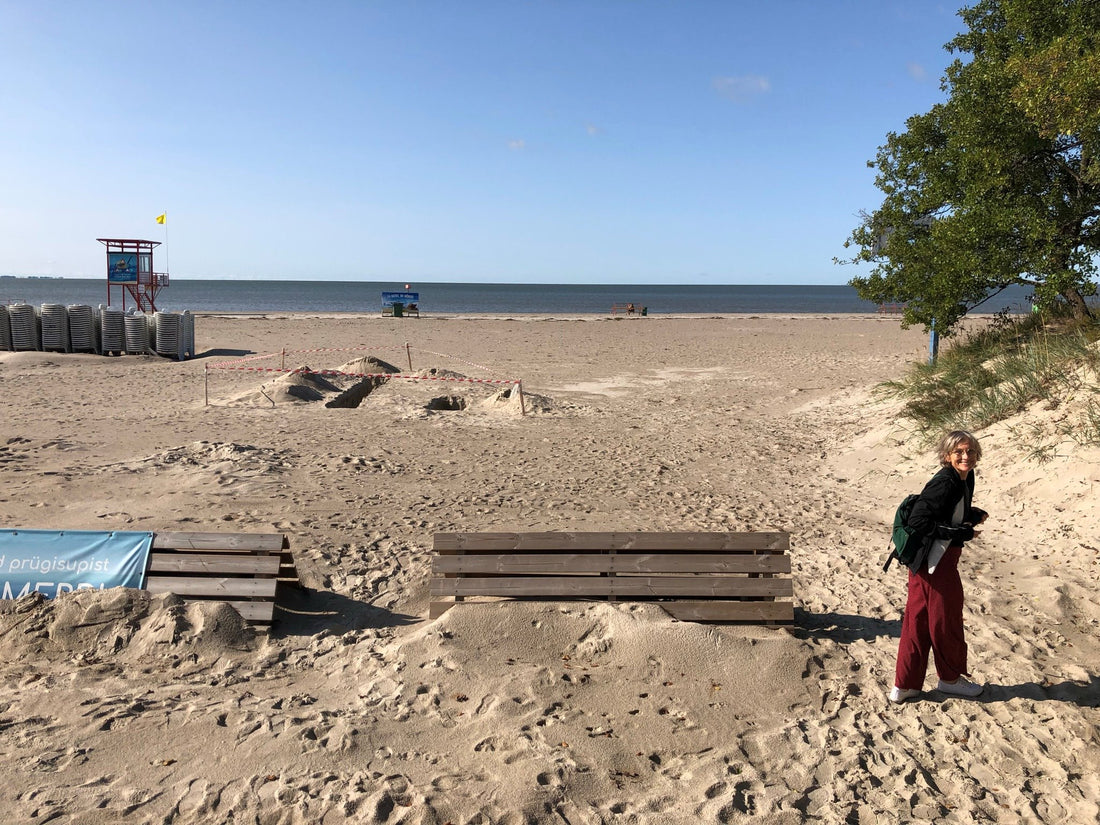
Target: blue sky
{"x": 478, "y": 141}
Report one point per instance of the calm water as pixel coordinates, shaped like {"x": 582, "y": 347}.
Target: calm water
{"x": 365, "y": 296}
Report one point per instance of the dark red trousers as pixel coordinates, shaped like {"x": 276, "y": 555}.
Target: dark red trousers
{"x": 933, "y": 621}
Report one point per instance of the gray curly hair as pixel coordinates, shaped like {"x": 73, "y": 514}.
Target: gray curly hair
{"x": 950, "y": 442}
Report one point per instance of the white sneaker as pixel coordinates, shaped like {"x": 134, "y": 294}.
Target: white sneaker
{"x": 901, "y": 695}
{"x": 960, "y": 687}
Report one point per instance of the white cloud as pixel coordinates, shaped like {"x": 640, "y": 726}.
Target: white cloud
{"x": 591, "y": 129}
{"x": 916, "y": 71}
{"x": 516, "y": 145}
{"x": 741, "y": 88}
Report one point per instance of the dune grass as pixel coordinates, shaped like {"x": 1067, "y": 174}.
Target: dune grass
{"x": 1000, "y": 370}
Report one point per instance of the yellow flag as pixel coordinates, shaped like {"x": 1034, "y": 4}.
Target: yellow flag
{"x": 162, "y": 218}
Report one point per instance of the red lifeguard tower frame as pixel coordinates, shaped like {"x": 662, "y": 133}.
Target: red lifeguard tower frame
{"x": 130, "y": 267}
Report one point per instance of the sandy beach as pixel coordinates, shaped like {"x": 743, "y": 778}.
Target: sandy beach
{"x": 118, "y": 707}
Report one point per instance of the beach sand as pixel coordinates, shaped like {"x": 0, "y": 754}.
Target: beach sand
{"x": 117, "y": 707}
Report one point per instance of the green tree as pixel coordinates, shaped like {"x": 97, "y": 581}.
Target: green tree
{"x": 1058, "y": 84}
{"x": 997, "y": 185}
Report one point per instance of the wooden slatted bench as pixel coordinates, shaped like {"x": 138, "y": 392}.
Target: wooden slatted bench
{"x": 247, "y": 570}
{"x": 723, "y": 577}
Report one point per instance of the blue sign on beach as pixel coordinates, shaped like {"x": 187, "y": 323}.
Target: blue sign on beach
{"x": 122, "y": 268}
{"x": 52, "y": 562}
{"x": 405, "y": 298}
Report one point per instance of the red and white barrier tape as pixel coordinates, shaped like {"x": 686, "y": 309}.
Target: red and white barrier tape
{"x": 245, "y": 360}
{"x": 456, "y": 358}
{"x": 344, "y": 349}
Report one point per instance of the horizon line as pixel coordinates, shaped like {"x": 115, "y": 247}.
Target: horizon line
{"x": 434, "y": 283}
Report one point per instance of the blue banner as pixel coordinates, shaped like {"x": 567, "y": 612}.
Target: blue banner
{"x": 52, "y": 562}
{"x": 406, "y": 298}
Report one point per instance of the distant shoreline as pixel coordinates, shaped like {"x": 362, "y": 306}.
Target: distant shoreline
{"x": 545, "y": 316}
{"x": 471, "y": 300}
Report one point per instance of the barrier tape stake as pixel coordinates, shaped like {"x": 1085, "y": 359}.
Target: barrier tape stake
{"x": 282, "y": 364}
{"x": 408, "y": 354}
{"x": 522, "y": 407}
{"x": 206, "y": 385}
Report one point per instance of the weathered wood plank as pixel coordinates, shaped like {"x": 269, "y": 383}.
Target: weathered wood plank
{"x": 571, "y": 542}
{"x": 255, "y": 612}
{"x": 730, "y": 611}
{"x": 236, "y": 563}
{"x": 231, "y": 542}
{"x": 574, "y": 563}
{"x": 211, "y": 587}
{"x": 624, "y": 587}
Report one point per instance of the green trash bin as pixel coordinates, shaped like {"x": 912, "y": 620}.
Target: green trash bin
{"x": 645, "y": 310}
{"x": 398, "y": 310}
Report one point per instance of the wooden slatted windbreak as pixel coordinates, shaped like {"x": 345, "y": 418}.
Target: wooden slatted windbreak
{"x": 247, "y": 570}
{"x": 726, "y": 577}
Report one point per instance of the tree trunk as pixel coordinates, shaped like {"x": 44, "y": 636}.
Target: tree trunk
{"x": 1077, "y": 304}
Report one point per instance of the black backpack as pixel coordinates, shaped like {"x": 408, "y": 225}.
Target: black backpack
{"x": 907, "y": 545}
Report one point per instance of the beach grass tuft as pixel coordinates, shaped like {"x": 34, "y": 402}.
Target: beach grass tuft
{"x": 1003, "y": 369}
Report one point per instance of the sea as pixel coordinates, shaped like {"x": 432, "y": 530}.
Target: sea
{"x": 230, "y": 295}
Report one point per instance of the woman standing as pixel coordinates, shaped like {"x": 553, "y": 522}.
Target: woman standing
{"x": 933, "y": 619}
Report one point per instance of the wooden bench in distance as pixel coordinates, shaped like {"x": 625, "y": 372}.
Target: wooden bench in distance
{"x": 721, "y": 577}
{"x": 247, "y": 570}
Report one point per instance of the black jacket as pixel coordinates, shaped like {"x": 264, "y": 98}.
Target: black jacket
{"x": 932, "y": 513}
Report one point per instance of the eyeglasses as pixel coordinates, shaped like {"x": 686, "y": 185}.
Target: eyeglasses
{"x": 961, "y": 453}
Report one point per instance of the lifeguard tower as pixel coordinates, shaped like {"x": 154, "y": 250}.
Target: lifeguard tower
{"x": 130, "y": 267}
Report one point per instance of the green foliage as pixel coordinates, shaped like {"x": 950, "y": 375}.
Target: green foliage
{"x": 1058, "y": 76}
{"x": 999, "y": 371}
{"x": 989, "y": 189}
{"x": 1059, "y": 91}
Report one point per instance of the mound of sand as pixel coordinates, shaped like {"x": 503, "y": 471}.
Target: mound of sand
{"x": 302, "y": 385}
{"x": 368, "y": 365}
{"x": 507, "y": 399}
{"x": 121, "y": 623}
{"x": 217, "y": 458}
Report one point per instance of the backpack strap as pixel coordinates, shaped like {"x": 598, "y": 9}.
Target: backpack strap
{"x": 889, "y": 561}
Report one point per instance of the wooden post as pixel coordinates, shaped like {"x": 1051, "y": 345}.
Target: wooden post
{"x": 282, "y": 362}
{"x": 519, "y": 390}
{"x": 408, "y": 354}
{"x": 206, "y": 383}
